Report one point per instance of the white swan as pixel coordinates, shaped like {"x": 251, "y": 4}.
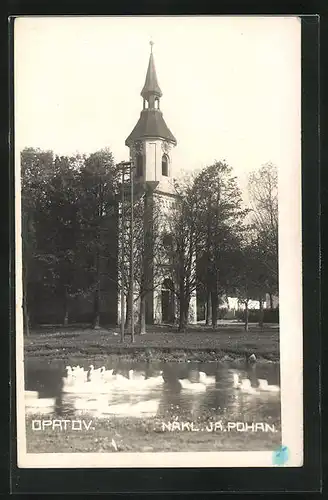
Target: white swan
{"x": 206, "y": 379}
{"x": 86, "y": 384}
{"x": 95, "y": 373}
{"x": 154, "y": 381}
{"x": 136, "y": 376}
{"x": 107, "y": 374}
{"x": 244, "y": 385}
{"x": 31, "y": 394}
{"x": 264, "y": 386}
{"x": 78, "y": 370}
{"x": 40, "y": 402}
{"x": 75, "y": 373}
{"x": 192, "y": 386}
{"x": 236, "y": 382}
{"x": 122, "y": 383}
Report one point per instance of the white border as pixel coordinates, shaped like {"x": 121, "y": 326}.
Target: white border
{"x": 291, "y": 354}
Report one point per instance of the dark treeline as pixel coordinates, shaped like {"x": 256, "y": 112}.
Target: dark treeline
{"x": 208, "y": 243}
{"x": 68, "y": 230}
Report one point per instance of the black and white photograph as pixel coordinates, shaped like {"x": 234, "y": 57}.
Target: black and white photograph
{"x": 158, "y": 241}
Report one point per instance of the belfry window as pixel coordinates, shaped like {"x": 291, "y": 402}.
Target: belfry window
{"x": 139, "y": 169}
{"x": 165, "y": 166}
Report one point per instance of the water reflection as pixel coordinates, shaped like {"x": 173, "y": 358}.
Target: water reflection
{"x": 148, "y": 396}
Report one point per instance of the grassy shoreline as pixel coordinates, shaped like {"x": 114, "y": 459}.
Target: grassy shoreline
{"x": 227, "y": 343}
{"x": 142, "y": 435}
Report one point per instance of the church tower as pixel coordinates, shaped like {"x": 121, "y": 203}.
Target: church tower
{"x": 151, "y": 143}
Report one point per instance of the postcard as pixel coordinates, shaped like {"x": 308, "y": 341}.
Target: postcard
{"x": 158, "y": 241}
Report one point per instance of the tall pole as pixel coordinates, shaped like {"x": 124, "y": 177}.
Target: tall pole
{"x": 122, "y": 259}
{"x": 131, "y": 257}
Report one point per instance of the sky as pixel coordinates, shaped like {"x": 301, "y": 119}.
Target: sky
{"x": 231, "y": 86}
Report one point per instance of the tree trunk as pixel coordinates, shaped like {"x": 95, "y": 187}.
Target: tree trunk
{"x": 26, "y": 318}
{"x": 183, "y": 312}
{"x": 214, "y": 309}
{"x": 142, "y": 314}
{"x": 96, "y": 310}
{"x": 186, "y": 309}
{"x": 246, "y": 316}
{"x": 261, "y": 316}
{"x": 128, "y": 310}
{"x": 182, "y": 318}
{"x": 271, "y": 300}
{"x": 182, "y": 307}
{"x": 65, "y": 321}
{"x": 208, "y": 308}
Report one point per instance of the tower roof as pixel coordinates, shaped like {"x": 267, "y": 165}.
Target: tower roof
{"x": 151, "y": 124}
{"x": 151, "y": 86}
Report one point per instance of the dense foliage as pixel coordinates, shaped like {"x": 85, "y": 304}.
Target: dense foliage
{"x": 209, "y": 243}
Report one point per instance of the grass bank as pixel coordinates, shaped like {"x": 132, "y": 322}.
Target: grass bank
{"x": 198, "y": 343}
{"x": 144, "y": 435}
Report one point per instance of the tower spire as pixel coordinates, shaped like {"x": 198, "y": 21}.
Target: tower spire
{"x": 151, "y": 87}
{"x": 151, "y": 124}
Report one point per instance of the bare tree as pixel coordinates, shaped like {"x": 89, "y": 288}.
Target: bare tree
{"x": 185, "y": 236}
{"x": 263, "y": 191}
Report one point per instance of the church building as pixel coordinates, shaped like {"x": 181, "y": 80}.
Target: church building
{"x": 151, "y": 144}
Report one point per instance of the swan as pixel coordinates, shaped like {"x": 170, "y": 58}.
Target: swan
{"x": 136, "y": 376}
{"x": 31, "y": 394}
{"x": 75, "y": 373}
{"x": 236, "y": 382}
{"x": 264, "y": 386}
{"x": 78, "y": 370}
{"x": 107, "y": 374}
{"x": 192, "y": 386}
{"x": 40, "y": 403}
{"x": 244, "y": 385}
{"x": 154, "y": 381}
{"x": 86, "y": 384}
{"x": 206, "y": 379}
{"x": 127, "y": 384}
{"x": 95, "y": 373}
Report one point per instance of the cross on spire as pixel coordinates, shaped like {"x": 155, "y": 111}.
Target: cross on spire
{"x": 151, "y": 43}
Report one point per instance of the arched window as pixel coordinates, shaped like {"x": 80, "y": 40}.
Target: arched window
{"x": 156, "y": 103}
{"x": 139, "y": 169}
{"x": 165, "y": 166}
{"x": 167, "y": 241}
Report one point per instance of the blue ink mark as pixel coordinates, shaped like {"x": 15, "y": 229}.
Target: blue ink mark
{"x": 280, "y": 455}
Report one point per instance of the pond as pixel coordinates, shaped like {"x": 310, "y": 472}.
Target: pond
{"x": 177, "y": 396}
